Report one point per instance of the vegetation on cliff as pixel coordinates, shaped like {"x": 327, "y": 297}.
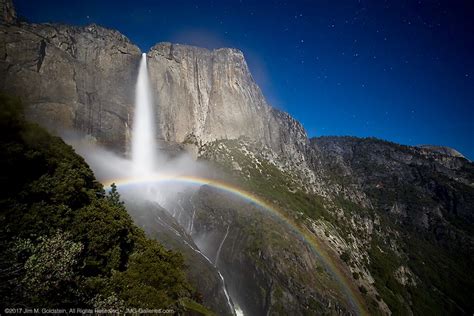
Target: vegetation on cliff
{"x": 412, "y": 265}
{"x": 64, "y": 241}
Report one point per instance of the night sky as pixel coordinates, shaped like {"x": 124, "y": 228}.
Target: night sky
{"x": 397, "y": 70}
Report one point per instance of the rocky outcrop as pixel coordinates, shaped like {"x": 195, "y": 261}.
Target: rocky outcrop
{"x": 7, "y": 12}
{"x": 442, "y": 150}
{"x": 74, "y": 78}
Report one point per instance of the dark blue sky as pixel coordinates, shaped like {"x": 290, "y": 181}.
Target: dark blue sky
{"x": 397, "y": 70}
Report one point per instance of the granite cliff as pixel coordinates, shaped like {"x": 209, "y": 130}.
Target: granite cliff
{"x": 83, "y": 78}
{"x": 63, "y": 75}
{"x": 210, "y": 95}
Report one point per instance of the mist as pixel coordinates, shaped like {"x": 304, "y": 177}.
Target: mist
{"x": 147, "y": 164}
{"x": 109, "y": 167}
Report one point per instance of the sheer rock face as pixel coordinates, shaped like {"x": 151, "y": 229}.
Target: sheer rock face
{"x": 210, "y": 95}
{"x": 83, "y": 78}
{"x": 71, "y": 78}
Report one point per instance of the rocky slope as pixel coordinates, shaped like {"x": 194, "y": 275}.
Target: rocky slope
{"x": 399, "y": 217}
{"x": 422, "y": 203}
{"x": 268, "y": 268}
{"x": 159, "y": 224}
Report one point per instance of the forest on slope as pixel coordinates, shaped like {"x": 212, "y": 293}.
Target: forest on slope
{"x": 64, "y": 241}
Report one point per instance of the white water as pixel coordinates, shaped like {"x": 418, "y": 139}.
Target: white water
{"x": 220, "y": 246}
{"x": 237, "y": 310}
{"x": 143, "y": 138}
{"x": 191, "y": 225}
{"x": 192, "y": 221}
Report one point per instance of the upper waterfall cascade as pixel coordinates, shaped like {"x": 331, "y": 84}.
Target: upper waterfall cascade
{"x": 143, "y": 138}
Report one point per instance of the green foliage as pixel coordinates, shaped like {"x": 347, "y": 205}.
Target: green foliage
{"x": 151, "y": 279}
{"x": 268, "y": 181}
{"x": 64, "y": 241}
{"x": 114, "y": 196}
{"x": 438, "y": 273}
{"x": 443, "y": 272}
{"x": 49, "y": 269}
{"x": 382, "y": 266}
{"x": 192, "y": 306}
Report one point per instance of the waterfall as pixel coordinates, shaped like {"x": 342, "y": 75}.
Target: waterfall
{"x": 237, "y": 311}
{"x": 143, "y": 137}
{"x": 144, "y": 162}
{"x": 220, "y": 246}
{"x": 191, "y": 224}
